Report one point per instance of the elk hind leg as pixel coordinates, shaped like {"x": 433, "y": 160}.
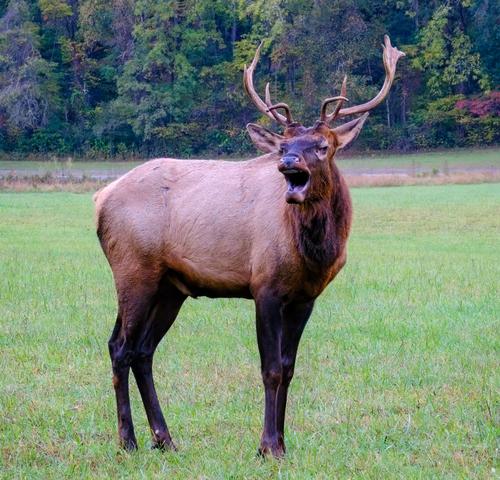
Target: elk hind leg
{"x": 133, "y": 306}
{"x": 168, "y": 303}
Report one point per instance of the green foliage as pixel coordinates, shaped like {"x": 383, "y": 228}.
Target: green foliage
{"x": 54, "y": 9}
{"x": 443, "y": 125}
{"x": 446, "y": 55}
{"x": 164, "y": 77}
{"x": 28, "y": 86}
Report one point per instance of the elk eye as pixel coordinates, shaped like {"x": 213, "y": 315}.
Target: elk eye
{"x": 323, "y": 149}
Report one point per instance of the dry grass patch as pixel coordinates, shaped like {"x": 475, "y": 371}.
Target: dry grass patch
{"x": 394, "y": 180}
{"x": 49, "y": 183}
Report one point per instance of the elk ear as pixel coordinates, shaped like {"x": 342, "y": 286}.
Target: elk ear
{"x": 264, "y": 139}
{"x": 349, "y": 131}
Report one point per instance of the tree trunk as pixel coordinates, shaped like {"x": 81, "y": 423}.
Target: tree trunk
{"x": 388, "y": 112}
{"x": 404, "y": 95}
{"x": 233, "y": 28}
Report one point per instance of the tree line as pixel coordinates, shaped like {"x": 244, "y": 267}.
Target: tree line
{"x": 106, "y": 78}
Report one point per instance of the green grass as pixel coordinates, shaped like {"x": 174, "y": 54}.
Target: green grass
{"x": 397, "y": 374}
{"x": 380, "y": 162}
{"x": 424, "y": 162}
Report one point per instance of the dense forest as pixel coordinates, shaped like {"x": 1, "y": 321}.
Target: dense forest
{"x": 105, "y": 78}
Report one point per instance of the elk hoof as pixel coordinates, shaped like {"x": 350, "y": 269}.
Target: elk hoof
{"x": 275, "y": 449}
{"x": 164, "y": 444}
{"x": 128, "y": 444}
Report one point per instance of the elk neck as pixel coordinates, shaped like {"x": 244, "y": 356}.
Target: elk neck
{"x": 320, "y": 226}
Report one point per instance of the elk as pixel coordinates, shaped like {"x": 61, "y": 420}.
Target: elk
{"x": 273, "y": 229}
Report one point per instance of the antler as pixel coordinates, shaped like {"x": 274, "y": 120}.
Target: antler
{"x": 267, "y": 108}
{"x": 272, "y": 108}
{"x": 340, "y": 99}
{"x": 391, "y": 56}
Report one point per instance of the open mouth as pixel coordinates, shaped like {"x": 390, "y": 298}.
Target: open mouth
{"x": 297, "y": 182}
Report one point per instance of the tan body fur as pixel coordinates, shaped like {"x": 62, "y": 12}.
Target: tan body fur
{"x": 214, "y": 228}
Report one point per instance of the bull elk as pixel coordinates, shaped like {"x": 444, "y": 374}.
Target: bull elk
{"x": 273, "y": 229}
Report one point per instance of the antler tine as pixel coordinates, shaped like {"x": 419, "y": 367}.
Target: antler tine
{"x": 340, "y": 99}
{"x": 284, "y": 106}
{"x": 324, "y": 117}
{"x": 272, "y": 108}
{"x": 249, "y": 88}
{"x": 391, "y": 56}
{"x": 270, "y": 104}
{"x": 343, "y": 93}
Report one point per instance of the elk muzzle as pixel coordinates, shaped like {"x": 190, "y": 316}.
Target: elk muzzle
{"x": 297, "y": 177}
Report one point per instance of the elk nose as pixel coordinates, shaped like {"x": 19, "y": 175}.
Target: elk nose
{"x": 289, "y": 161}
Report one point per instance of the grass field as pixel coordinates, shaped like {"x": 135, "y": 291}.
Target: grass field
{"x": 397, "y": 376}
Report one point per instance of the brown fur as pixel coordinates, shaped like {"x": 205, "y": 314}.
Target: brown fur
{"x": 222, "y": 228}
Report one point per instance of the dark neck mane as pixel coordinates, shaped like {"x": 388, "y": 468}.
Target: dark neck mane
{"x": 321, "y": 226}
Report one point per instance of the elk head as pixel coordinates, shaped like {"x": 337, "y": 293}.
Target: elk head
{"x": 306, "y": 153}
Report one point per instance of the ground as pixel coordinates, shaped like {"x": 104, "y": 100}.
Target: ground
{"x": 397, "y": 375}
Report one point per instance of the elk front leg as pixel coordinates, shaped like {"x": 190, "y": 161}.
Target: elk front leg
{"x": 295, "y": 318}
{"x": 268, "y": 309}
